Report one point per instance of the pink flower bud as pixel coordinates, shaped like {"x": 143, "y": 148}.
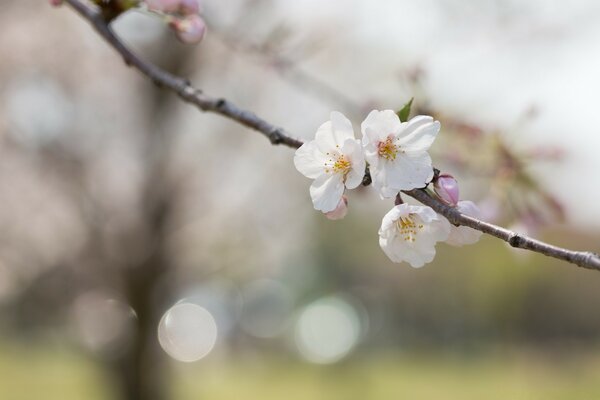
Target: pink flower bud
{"x": 446, "y": 187}
{"x": 188, "y": 7}
{"x": 183, "y": 7}
{"x": 166, "y": 6}
{"x": 190, "y": 29}
{"x": 56, "y": 3}
{"x": 340, "y": 211}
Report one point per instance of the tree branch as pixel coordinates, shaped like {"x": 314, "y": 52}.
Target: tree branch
{"x": 179, "y": 85}
{"x": 277, "y": 135}
{"x": 583, "y": 259}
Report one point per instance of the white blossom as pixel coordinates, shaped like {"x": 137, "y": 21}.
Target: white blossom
{"x": 461, "y": 235}
{"x": 335, "y": 161}
{"x": 397, "y": 151}
{"x": 409, "y": 233}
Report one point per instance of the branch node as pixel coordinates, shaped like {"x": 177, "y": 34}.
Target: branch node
{"x": 220, "y": 103}
{"x": 515, "y": 240}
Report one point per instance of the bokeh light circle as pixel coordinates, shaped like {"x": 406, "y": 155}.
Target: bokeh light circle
{"x": 102, "y": 323}
{"x": 187, "y": 332}
{"x": 327, "y": 330}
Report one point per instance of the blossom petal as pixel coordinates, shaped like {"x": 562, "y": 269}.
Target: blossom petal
{"x": 409, "y": 171}
{"x": 342, "y": 128}
{"x": 379, "y": 125}
{"x": 419, "y": 134}
{"x": 309, "y": 160}
{"x": 389, "y": 219}
{"x": 398, "y": 251}
{"x": 353, "y": 150}
{"x": 332, "y": 134}
{"x": 326, "y": 192}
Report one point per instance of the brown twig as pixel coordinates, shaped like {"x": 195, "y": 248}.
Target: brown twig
{"x": 278, "y": 135}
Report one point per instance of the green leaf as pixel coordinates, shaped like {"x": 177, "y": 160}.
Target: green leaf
{"x": 405, "y": 111}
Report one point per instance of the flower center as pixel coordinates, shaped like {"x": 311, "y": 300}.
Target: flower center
{"x": 337, "y": 164}
{"x": 388, "y": 149}
{"x": 408, "y": 228}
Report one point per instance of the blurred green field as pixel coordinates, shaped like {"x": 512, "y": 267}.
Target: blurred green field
{"x": 61, "y": 374}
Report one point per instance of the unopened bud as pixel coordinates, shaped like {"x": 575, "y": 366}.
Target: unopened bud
{"x": 340, "y": 211}
{"x": 166, "y": 6}
{"x": 189, "y": 7}
{"x": 446, "y": 187}
{"x": 56, "y": 3}
{"x": 190, "y": 29}
{"x": 182, "y": 7}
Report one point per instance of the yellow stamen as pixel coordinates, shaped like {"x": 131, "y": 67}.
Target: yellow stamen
{"x": 338, "y": 165}
{"x": 407, "y": 228}
{"x": 388, "y": 149}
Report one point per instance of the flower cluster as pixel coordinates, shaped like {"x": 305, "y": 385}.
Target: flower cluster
{"x": 183, "y": 17}
{"x": 396, "y": 153}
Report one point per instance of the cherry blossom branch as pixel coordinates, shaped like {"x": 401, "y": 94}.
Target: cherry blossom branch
{"x": 276, "y": 135}
{"x": 180, "y": 86}
{"x": 584, "y": 259}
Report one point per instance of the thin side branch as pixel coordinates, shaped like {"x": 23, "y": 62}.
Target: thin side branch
{"x": 277, "y": 135}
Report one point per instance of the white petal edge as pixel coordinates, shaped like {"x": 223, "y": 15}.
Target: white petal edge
{"x": 309, "y": 160}
{"x": 379, "y": 125}
{"x": 408, "y": 171}
{"x": 419, "y": 134}
{"x": 353, "y": 150}
{"x": 342, "y": 128}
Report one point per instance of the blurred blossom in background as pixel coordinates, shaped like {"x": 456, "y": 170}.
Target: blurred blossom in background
{"x": 150, "y": 251}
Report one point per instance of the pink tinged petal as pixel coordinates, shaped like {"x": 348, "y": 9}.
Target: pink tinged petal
{"x": 353, "y": 151}
{"x": 340, "y": 211}
{"x": 309, "y": 160}
{"x": 461, "y": 235}
{"x": 419, "y": 134}
{"x": 378, "y": 126}
{"x": 326, "y": 192}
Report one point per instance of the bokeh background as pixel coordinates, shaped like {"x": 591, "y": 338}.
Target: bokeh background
{"x": 149, "y": 251}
